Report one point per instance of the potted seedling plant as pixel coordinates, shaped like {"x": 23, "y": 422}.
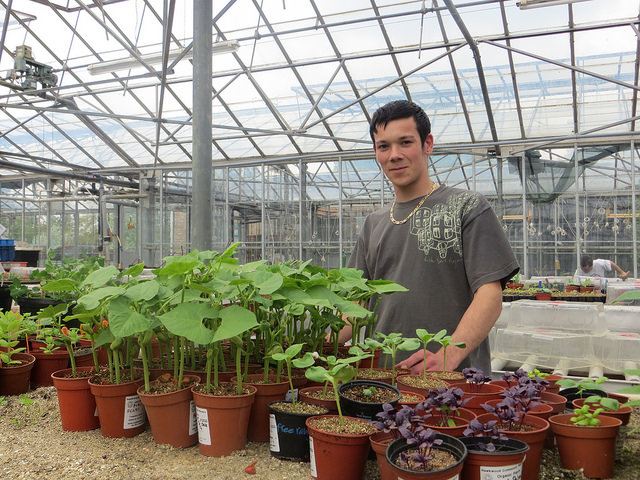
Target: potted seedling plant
{"x": 339, "y": 445}
{"x": 392, "y": 344}
{"x": 445, "y": 412}
{"x": 289, "y": 438}
{"x": 581, "y": 388}
{"x": 515, "y": 420}
{"x": 15, "y": 366}
{"x": 587, "y": 440}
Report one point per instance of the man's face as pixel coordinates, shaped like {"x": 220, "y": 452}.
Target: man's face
{"x": 587, "y": 269}
{"x": 402, "y": 158}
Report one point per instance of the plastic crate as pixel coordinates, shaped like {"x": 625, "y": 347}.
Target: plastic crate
{"x": 7, "y": 249}
{"x": 619, "y": 351}
{"x": 546, "y": 349}
{"x": 568, "y": 317}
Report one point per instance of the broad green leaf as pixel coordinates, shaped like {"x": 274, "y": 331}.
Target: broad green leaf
{"x": 386, "y": 286}
{"x": 133, "y": 270}
{"x": 104, "y": 337}
{"x": 304, "y": 362}
{"x": 317, "y": 374}
{"x": 92, "y": 299}
{"x": 145, "y": 290}
{"x": 100, "y": 277}
{"x": 61, "y": 285}
{"x": 266, "y": 282}
{"x": 235, "y": 320}
{"x": 186, "y": 320}
{"x": 177, "y": 268}
{"x": 124, "y": 322}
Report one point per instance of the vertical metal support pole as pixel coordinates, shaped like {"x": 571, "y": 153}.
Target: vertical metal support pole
{"x": 228, "y": 227}
{"x": 473, "y": 169}
{"x": 634, "y": 211}
{"x": 263, "y": 224}
{"x": 24, "y": 212}
{"x": 500, "y": 191}
{"x": 577, "y": 200}
{"x": 139, "y": 225}
{"x": 300, "y": 209}
{"x": 340, "y": 193}
{"x": 62, "y": 235}
{"x": 525, "y": 233}
{"x": 201, "y": 229}
{"x": 163, "y": 217}
{"x": 76, "y": 230}
{"x": 49, "y": 206}
{"x": 556, "y": 261}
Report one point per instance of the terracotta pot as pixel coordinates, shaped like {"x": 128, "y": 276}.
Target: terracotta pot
{"x": 222, "y": 421}
{"x": 552, "y": 379}
{"x": 172, "y": 416}
{"x": 543, "y": 296}
{"x": 450, "y": 444}
{"x": 403, "y": 385}
{"x": 379, "y": 443}
{"x": 14, "y": 380}
{"x": 541, "y": 410}
{"x": 103, "y": 356}
{"x": 558, "y": 404}
{"x": 457, "y": 379}
{"x": 76, "y": 402}
{"x": 572, "y": 393}
{"x": 375, "y": 360}
{"x": 258, "y": 430}
{"x": 334, "y": 456}
{"x": 120, "y": 411}
{"x": 411, "y": 404}
{"x": 476, "y": 395}
{"x": 505, "y": 462}
{"x": 46, "y": 364}
{"x": 461, "y": 421}
{"x": 623, "y": 413}
{"x": 289, "y": 438}
{"x": 385, "y": 379}
{"x": 534, "y": 438}
{"x": 591, "y": 449}
{"x": 303, "y": 395}
{"x": 572, "y": 288}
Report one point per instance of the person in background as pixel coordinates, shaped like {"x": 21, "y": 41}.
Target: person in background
{"x": 598, "y": 267}
{"x": 444, "y": 244}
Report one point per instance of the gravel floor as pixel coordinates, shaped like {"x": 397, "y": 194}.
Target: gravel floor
{"x": 34, "y": 446}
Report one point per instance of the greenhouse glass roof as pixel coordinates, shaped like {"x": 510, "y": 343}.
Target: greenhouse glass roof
{"x": 303, "y": 77}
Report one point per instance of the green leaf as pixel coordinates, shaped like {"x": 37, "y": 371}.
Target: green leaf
{"x": 134, "y": 270}
{"x": 317, "y": 374}
{"x": 92, "y": 299}
{"x": 386, "y": 286}
{"x": 124, "y": 322}
{"x": 266, "y": 282}
{"x": 145, "y": 290}
{"x": 177, "y": 268}
{"x": 304, "y": 362}
{"x": 100, "y": 277}
{"x": 235, "y": 320}
{"x": 61, "y": 285}
{"x": 186, "y": 320}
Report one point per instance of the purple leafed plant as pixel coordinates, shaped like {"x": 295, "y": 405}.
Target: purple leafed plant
{"x": 424, "y": 439}
{"x": 475, "y": 377}
{"x": 517, "y": 403}
{"x": 446, "y": 402}
{"x": 489, "y": 430}
{"x": 394, "y": 421}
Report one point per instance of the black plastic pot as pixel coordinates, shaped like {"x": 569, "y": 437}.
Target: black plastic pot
{"x": 288, "y": 436}
{"x": 5, "y": 299}
{"x": 450, "y": 444}
{"x": 365, "y": 410}
{"x": 572, "y": 394}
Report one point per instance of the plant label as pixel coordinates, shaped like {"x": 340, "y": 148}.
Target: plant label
{"x": 504, "y": 472}
{"x": 134, "y": 414}
{"x": 274, "y": 441}
{"x": 204, "y": 437}
{"x": 193, "y": 418}
{"x": 287, "y": 397}
{"x": 455, "y": 477}
{"x": 312, "y": 456}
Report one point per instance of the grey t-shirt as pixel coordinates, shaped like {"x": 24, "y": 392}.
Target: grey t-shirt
{"x": 451, "y": 246}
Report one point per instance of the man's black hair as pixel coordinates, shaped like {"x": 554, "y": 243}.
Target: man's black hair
{"x": 399, "y": 109}
{"x": 586, "y": 261}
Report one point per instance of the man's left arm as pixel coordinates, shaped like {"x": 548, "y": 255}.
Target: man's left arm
{"x": 474, "y": 326}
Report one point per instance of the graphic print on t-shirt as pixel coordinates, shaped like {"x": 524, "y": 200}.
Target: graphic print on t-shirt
{"x": 439, "y": 228}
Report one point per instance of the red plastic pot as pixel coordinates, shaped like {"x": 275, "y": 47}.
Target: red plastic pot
{"x": 120, "y": 410}
{"x": 76, "y": 402}
{"x": 14, "y": 379}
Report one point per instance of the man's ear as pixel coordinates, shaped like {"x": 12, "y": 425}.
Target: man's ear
{"x": 427, "y": 148}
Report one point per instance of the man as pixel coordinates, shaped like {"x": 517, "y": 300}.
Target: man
{"x": 598, "y": 267}
{"x": 444, "y": 244}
